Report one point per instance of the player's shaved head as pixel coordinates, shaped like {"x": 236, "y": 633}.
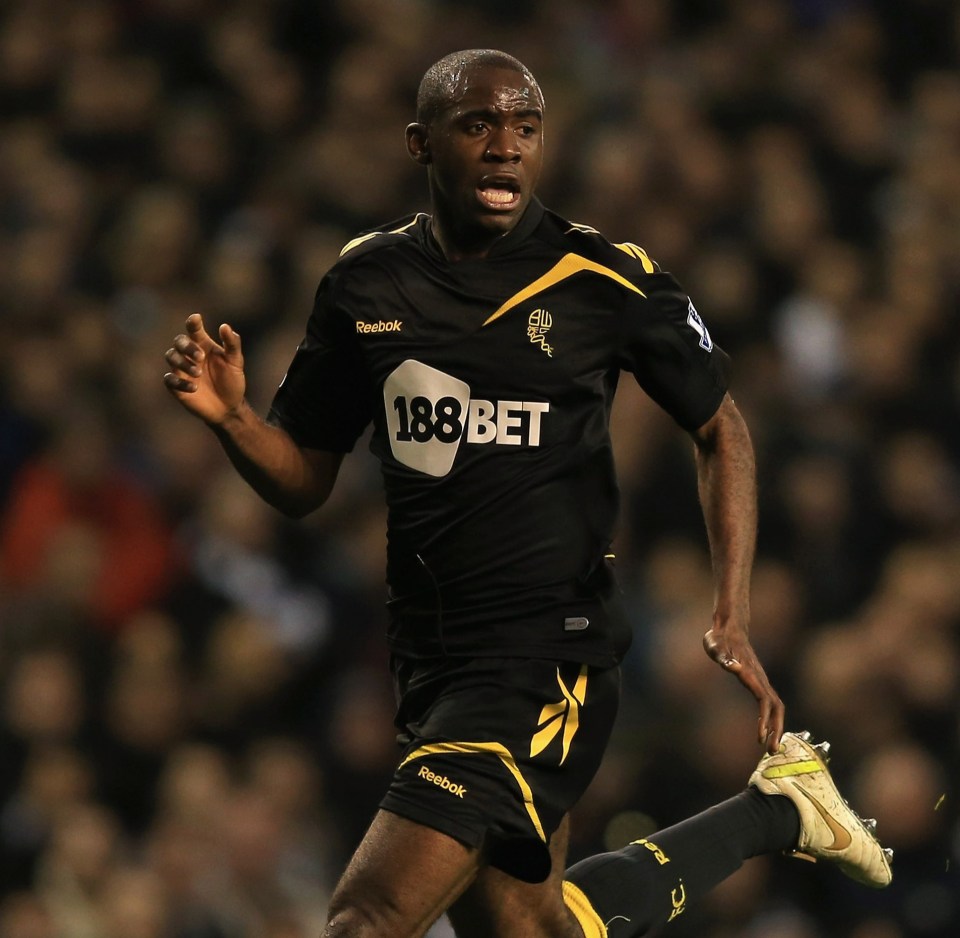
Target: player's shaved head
{"x": 445, "y": 81}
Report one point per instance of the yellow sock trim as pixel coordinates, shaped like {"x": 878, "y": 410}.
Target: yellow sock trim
{"x": 576, "y": 901}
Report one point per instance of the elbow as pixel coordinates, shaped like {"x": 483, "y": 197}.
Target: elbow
{"x": 313, "y": 485}
{"x": 297, "y": 508}
{"x": 294, "y": 512}
{"x": 294, "y": 503}
{"x": 725, "y": 426}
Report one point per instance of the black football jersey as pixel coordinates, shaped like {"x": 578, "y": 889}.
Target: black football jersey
{"x": 489, "y": 384}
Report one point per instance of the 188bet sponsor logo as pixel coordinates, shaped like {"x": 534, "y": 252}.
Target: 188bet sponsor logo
{"x": 429, "y": 413}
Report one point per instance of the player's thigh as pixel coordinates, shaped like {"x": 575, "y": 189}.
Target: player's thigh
{"x": 497, "y": 905}
{"x": 402, "y": 877}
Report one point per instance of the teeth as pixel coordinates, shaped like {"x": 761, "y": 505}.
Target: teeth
{"x": 499, "y": 196}
{"x": 805, "y": 736}
{"x": 823, "y": 748}
{"x": 870, "y": 823}
{"x": 888, "y": 853}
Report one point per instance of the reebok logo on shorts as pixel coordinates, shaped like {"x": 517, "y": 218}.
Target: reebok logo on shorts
{"x": 441, "y": 781}
{"x": 365, "y": 328}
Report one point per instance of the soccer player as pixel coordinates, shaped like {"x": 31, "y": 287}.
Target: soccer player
{"x": 483, "y": 342}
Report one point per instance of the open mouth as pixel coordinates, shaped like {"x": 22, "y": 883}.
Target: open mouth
{"x": 499, "y": 193}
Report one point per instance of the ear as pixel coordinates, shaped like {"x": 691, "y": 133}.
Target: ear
{"x": 418, "y": 145}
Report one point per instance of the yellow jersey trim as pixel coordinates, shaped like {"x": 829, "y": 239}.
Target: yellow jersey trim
{"x": 639, "y": 253}
{"x": 350, "y": 245}
{"x": 567, "y": 266}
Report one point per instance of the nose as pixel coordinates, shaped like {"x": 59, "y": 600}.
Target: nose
{"x": 503, "y": 146}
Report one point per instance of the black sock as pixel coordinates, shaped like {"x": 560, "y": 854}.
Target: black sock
{"x": 651, "y": 881}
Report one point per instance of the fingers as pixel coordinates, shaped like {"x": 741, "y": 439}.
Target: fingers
{"x": 231, "y": 343}
{"x": 196, "y": 328}
{"x": 770, "y": 727}
{"x": 185, "y": 356}
{"x": 196, "y": 361}
{"x": 189, "y": 350}
{"x": 744, "y": 664}
{"x": 772, "y": 714}
{"x": 770, "y": 724}
{"x": 177, "y": 383}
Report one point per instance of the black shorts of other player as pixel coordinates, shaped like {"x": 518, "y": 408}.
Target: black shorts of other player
{"x": 497, "y": 750}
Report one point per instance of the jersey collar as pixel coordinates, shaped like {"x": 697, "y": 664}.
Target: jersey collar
{"x": 509, "y": 242}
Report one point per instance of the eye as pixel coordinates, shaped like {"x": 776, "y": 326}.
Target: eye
{"x": 526, "y": 130}
{"x": 477, "y": 128}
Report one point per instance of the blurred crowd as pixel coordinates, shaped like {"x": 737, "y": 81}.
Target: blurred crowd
{"x": 195, "y": 712}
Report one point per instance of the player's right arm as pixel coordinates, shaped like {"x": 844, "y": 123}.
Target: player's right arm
{"x": 207, "y": 378}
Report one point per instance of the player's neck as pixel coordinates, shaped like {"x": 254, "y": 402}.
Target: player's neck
{"x": 461, "y": 242}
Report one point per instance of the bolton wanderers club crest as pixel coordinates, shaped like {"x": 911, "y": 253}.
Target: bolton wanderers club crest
{"x": 538, "y": 325}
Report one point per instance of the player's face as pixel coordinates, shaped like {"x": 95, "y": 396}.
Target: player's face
{"x": 486, "y": 151}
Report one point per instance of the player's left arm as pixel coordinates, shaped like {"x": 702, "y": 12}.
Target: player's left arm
{"x": 726, "y": 477}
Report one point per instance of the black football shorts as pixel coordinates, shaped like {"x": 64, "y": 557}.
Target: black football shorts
{"x": 497, "y": 750}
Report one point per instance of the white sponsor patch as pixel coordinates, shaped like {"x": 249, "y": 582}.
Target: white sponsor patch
{"x": 429, "y": 413}
{"x": 425, "y": 409}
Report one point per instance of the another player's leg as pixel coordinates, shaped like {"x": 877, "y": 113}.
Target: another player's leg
{"x": 653, "y": 880}
{"x": 401, "y": 879}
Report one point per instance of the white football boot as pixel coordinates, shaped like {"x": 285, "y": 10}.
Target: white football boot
{"x": 829, "y": 829}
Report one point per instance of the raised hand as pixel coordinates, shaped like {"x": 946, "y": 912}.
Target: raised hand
{"x": 205, "y": 376}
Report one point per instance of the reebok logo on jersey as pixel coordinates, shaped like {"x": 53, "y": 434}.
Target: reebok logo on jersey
{"x": 393, "y": 325}
{"x": 441, "y": 781}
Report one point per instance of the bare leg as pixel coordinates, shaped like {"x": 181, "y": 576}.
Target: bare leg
{"x": 400, "y": 881}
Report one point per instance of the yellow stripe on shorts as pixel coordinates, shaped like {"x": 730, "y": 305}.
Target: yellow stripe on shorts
{"x": 502, "y": 753}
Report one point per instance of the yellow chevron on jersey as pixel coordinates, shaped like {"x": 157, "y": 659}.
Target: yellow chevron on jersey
{"x": 566, "y": 267}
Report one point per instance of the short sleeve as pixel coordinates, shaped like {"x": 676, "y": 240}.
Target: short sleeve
{"x": 667, "y": 347}
{"x": 323, "y": 401}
